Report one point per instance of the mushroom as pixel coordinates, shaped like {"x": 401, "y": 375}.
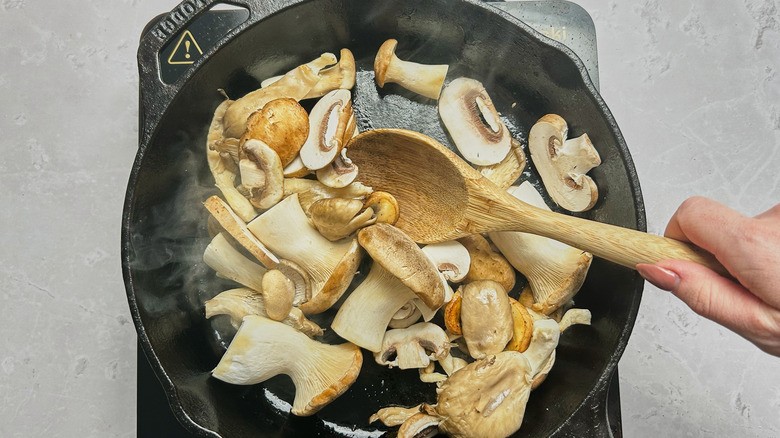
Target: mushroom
{"x": 278, "y": 294}
{"x": 394, "y": 415}
{"x": 229, "y": 263}
{"x": 407, "y": 315}
{"x": 385, "y": 207}
{"x": 310, "y": 191}
{"x": 328, "y": 122}
{"x": 261, "y": 174}
{"x": 330, "y": 266}
{"x": 429, "y": 374}
{"x": 282, "y": 124}
{"x": 452, "y": 314}
{"x": 397, "y": 252}
{"x": 485, "y": 335}
{"x": 365, "y": 314}
{"x": 451, "y": 259}
{"x": 296, "y": 169}
{"x": 263, "y": 348}
{"x": 341, "y": 75}
{"x": 296, "y": 84}
{"x": 340, "y": 172}
{"x": 316, "y": 65}
{"x": 554, "y": 270}
{"x": 236, "y": 227}
{"x": 522, "y": 327}
{"x": 423, "y": 79}
{"x": 336, "y": 218}
{"x": 486, "y": 398}
{"x": 507, "y": 171}
{"x": 541, "y": 375}
{"x": 473, "y": 122}
{"x": 562, "y": 164}
{"x": 413, "y": 347}
{"x": 544, "y": 340}
{"x": 574, "y": 316}
{"x": 223, "y": 168}
{"x": 240, "y": 302}
{"x": 487, "y": 264}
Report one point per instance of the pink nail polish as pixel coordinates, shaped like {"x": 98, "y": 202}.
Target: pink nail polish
{"x": 659, "y": 277}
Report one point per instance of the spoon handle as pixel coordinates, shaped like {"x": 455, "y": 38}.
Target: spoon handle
{"x": 623, "y": 246}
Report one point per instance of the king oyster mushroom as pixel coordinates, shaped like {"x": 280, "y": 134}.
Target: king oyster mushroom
{"x": 342, "y": 75}
{"x": 240, "y": 302}
{"x": 261, "y": 174}
{"x": 236, "y": 227}
{"x": 263, "y": 348}
{"x": 473, "y": 122}
{"x": 485, "y": 335}
{"x": 337, "y": 218}
{"x": 413, "y": 347}
{"x": 562, "y": 164}
{"x": 330, "y": 266}
{"x": 484, "y": 399}
{"x": 554, "y": 270}
{"x": 325, "y": 60}
{"x": 423, "y": 79}
{"x": 574, "y": 316}
{"x": 310, "y": 191}
{"x": 221, "y": 256}
{"x": 328, "y": 124}
{"x": 404, "y": 317}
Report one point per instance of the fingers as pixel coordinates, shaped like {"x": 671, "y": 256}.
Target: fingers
{"x": 705, "y": 223}
{"x": 718, "y": 299}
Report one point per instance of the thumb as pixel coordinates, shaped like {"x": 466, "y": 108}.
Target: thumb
{"x": 711, "y": 296}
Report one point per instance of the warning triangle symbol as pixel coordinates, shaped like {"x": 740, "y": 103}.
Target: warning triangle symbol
{"x": 186, "y": 51}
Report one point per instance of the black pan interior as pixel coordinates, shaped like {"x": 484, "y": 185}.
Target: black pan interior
{"x": 166, "y": 231}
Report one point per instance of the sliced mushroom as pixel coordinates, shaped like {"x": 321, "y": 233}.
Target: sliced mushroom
{"x": 544, "y": 340}
{"x": 522, "y": 327}
{"x": 234, "y": 225}
{"x": 452, "y": 314}
{"x": 574, "y": 316}
{"x": 261, "y": 174}
{"x": 229, "y": 263}
{"x": 328, "y": 123}
{"x": 223, "y": 168}
{"x": 508, "y": 170}
{"x": 451, "y": 364}
{"x": 562, "y": 164}
{"x": 554, "y": 270}
{"x": 286, "y": 231}
{"x": 397, "y": 252}
{"x": 413, "y": 347}
{"x": 394, "y": 415}
{"x": 340, "y": 172}
{"x": 337, "y": 218}
{"x": 341, "y": 75}
{"x": 263, "y": 348}
{"x": 300, "y": 280}
{"x": 423, "y": 79}
{"x": 406, "y": 316}
{"x": 473, "y": 122}
{"x": 240, "y": 302}
{"x": 310, "y": 191}
{"x": 316, "y": 65}
{"x": 429, "y": 374}
{"x": 419, "y": 426}
{"x": 364, "y": 316}
{"x": 485, "y": 335}
{"x": 451, "y": 259}
{"x": 282, "y": 124}
{"x": 541, "y": 375}
{"x": 487, "y": 264}
{"x": 296, "y": 169}
{"x": 385, "y": 207}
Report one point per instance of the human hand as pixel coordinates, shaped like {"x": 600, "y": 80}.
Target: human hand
{"x": 749, "y": 248}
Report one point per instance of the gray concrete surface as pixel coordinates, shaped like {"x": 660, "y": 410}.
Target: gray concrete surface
{"x": 693, "y": 85}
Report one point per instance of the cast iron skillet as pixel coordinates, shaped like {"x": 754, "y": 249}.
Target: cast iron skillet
{"x": 164, "y": 224}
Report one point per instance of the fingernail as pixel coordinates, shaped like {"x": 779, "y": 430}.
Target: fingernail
{"x": 659, "y": 277}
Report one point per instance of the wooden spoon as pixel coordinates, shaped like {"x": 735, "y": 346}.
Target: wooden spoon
{"x": 441, "y": 197}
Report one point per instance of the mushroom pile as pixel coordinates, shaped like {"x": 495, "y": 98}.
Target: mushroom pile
{"x": 294, "y": 222}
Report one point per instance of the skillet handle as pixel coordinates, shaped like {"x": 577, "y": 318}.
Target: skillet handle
{"x": 155, "y": 95}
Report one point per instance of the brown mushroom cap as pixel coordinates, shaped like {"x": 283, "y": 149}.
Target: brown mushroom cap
{"x": 400, "y": 255}
{"x": 383, "y": 57}
{"x": 483, "y": 335}
{"x": 278, "y": 294}
{"x": 282, "y": 124}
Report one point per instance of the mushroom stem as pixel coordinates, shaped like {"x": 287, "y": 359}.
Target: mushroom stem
{"x": 423, "y": 79}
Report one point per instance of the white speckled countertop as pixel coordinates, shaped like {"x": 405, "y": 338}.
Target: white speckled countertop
{"x": 694, "y": 87}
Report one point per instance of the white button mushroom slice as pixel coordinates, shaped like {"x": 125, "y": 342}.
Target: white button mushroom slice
{"x": 562, "y": 164}
{"x": 328, "y": 122}
{"x": 394, "y": 415}
{"x": 555, "y": 271}
{"x": 337, "y": 218}
{"x": 485, "y": 335}
{"x": 341, "y": 172}
{"x": 413, "y": 347}
{"x": 423, "y": 79}
{"x": 419, "y": 425}
{"x": 236, "y": 227}
{"x": 486, "y": 398}
{"x": 324, "y": 60}
{"x": 266, "y": 185}
{"x": 508, "y": 170}
{"x": 574, "y": 316}
{"x": 221, "y": 256}
{"x": 240, "y": 302}
{"x": 296, "y": 169}
{"x": 224, "y": 169}
{"x": 385, "y": 207}
{"x": 296, "y": 84}
{"x": 286, "y": 231}
{"x": 406, "y": 316}
{"x": 451, "y": 258}
{"x": 487, "y": 264}
{"x": 543, "y": 342}
{"x": 473, "y": 122}
{"x": 282, "y": 124}
{"x": 263, "y": 348}
{"x": 365, "y": 314}
{"x": 397, "y": 252}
